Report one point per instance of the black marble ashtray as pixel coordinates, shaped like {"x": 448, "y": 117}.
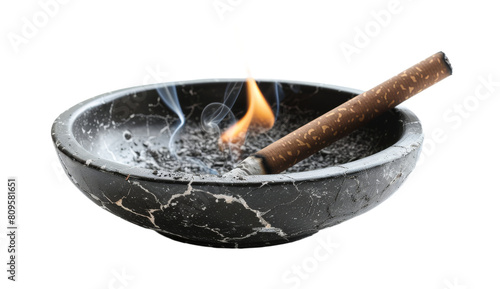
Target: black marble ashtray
{"x": 96, "y": 142}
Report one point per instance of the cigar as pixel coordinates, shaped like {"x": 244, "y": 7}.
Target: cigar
{"x": 344, "y": 119}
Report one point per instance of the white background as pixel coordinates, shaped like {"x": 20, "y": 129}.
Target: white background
{"x": 439, "y": 230}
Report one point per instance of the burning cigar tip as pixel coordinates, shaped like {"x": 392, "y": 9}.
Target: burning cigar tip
{"x": 252, "y": 165}
{"x": 345, "y": 118}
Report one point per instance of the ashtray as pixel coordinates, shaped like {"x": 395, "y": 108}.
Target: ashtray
{"x": 110, "y": 147}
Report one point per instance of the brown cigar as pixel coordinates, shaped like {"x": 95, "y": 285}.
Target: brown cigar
{"x": 344, "y": 119}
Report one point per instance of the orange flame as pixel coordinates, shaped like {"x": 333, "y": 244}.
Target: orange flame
{"x": 259, "y": 116}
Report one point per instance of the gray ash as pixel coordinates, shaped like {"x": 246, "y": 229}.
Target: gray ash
{"x": 198, "y": 152}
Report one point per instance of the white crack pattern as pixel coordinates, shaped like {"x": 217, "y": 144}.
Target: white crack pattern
{"x": 266, "y": 226}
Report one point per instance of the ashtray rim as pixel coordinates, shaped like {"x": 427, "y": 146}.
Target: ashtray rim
{"x": 411, "y": 139}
